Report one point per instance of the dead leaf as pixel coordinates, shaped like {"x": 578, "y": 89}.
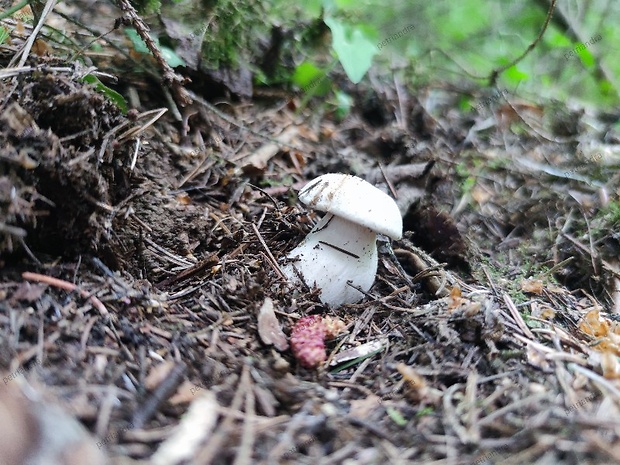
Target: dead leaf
{"x": 362, "y": 408}
{"x": 455, "y": 298}
{"x": 28, "y": 292}
{"x": 610, "y": 366}
{"x": 257, "y": 161}
{"x": 193, "y": 430}
{"x": 411, "y": 377}
{"x": 269, "y": 328}
{"x": 533, "y": 286}
{"x": 158, "y": 373}
{"x": 480, "y": 195}
{"x": 537, "y": 358}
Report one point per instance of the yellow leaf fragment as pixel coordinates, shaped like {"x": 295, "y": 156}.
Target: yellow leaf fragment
{"x": 605, "y": 332}
{"x": 594, "y": 325}
{"x": 533, "y": 286}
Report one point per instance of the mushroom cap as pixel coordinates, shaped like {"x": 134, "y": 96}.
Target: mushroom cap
{"x": 356, "y": 200}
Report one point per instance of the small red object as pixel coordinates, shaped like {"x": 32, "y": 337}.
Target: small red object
{"x": 308, "y": 341}
{"x": 308, "y": 338}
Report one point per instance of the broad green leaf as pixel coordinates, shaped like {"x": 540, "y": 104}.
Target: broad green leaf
{"x": 138, "y": 44}
{"x": 171, "y": 57}
{"x": 311, "y": 79}
{"x": 556, "y": 39}
{"x": 343, "y": 4}
{"x": 514, "y": 75}
{"x": 353, "y": 47}
{"x": 586, "y": 58}
{"x": 114, "y": 96}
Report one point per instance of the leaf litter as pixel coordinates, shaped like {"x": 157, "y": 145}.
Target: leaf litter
{"x": 496, "y": 312}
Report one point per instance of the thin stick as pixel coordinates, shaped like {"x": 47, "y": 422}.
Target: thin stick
{"x": 596, "y": 378}
{"x": 272, "y": 259}
{"x": 67, "y": 286}
{"x": 516, "y": 316}
{"x": 495, "y": 73}
{"x": 388, "y": 182}
{"x": 49, "y": 5}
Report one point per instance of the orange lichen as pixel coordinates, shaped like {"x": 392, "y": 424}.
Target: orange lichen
{"x": 606, "y": 332}
{"x": 594, "y": 325}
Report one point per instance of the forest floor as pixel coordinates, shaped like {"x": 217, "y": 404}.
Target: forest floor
{"x": 490, "y": 336}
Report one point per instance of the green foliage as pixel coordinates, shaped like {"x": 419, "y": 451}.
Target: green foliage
{"x": 147, "y": 6}
{"x": 613, "y": 214}
{"x": 607, "y": 219}
{"x": 396, "y": 416}
{"x": 111, "y": 94}
{"x": 468, "y": 181}
{"x": 353, "y": 41}
{"x": 344, "y": 102}
{"x": 228, "y": 32}
{"x": 462, "y": 41}
{"x": 311, "y": 79}
{"x": 425, "y": 411}
{"x": 4, "y": 34}
{"x": 353, "y": 46}
{"x": 139, "y": 46}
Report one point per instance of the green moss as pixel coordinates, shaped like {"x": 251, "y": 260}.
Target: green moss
{"x": 147, "y": 6}
{"x": 230, "y": 31}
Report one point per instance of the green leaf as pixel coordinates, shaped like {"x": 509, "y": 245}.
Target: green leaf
{"x": 136, "y": 41}
{"x": 396, "y": 416}
{"x": 4, "y": 34}
{"x": 353, "y": 47}
{"x": 606, "y": 88}
{"x": 114, "y": 96}
{"x": 343, "y": 4}
{"x": 425, "y": 411}
{"x": 169, "y": 55}
{"x": 514, "y": 75}
{"x": 586, "y": 58}
{"x": 465, "y": 103}
{"x": 313, "y": 7}
{"x": 556, "y": 39}
{"x": 344, "y": 104}
{"x": 311, "y": 79}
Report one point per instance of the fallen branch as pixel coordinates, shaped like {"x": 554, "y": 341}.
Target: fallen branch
{"x": 171, "y": 79}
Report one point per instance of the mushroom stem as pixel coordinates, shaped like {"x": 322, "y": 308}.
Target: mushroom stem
{"x": 336, "y": 252}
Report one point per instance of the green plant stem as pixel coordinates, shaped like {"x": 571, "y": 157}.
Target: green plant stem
{"x": 13, "y": 9}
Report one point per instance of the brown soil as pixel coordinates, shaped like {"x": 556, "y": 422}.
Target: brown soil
{"x": 476, "y": 364}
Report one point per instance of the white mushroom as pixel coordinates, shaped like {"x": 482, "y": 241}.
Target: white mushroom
{"x": 340, "y": 253}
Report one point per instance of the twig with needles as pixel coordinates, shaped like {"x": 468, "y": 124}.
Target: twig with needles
{"x": 171, "y": 79}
